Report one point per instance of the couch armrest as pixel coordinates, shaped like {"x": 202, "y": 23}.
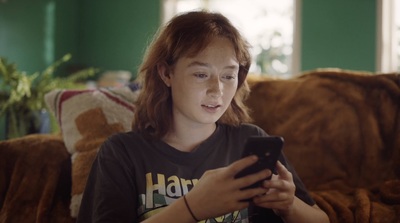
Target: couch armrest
{"x": 35, "y": 179}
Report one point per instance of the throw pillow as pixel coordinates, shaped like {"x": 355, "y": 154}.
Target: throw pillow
{"x": 86, "y": 118}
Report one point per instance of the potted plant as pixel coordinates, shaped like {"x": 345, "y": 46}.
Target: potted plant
{"x": 22, "y": 95}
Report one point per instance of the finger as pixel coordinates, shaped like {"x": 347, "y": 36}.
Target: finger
{"x": 239, "y": 165}
{"x": 250, "y": 179}
{"x": 275, "y": 196}
{"x": 259, "y": 201}
{"x": 251, "y": 193}
{"x": 283, "y": 172}
{"x": 279, "y": 184}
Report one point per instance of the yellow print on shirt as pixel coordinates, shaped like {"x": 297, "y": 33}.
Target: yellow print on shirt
{"x": 162, "y": 191}
{"x": 173, "y": 187}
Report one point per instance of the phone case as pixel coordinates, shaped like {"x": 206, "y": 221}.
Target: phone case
{"x": 268, "y": 150}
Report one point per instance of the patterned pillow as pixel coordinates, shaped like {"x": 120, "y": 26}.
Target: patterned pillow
{"x": 86, "y": 118}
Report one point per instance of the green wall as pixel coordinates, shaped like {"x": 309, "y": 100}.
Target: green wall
{"x": 110, "y": 35}
{"x": 113, "y": 34}
{"x": 338, "y": 33}
{"x": 33, "y": 34}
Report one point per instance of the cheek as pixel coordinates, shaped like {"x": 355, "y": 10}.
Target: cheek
{"x": 186, "y": 93}
{"x": 232, "y": 88}
{"x": 230, "y": 92}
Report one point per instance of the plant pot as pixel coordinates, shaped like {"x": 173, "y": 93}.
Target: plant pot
{"x": 27, "y": 122}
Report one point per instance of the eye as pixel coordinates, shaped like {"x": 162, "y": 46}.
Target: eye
{"x": 229, "y": 76}
{"x": 200, "y": 75}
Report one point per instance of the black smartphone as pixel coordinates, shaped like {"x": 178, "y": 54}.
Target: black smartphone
{"x": 268, "y": 149}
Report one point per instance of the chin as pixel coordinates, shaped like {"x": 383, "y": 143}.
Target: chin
{"x": 209, "y": 120}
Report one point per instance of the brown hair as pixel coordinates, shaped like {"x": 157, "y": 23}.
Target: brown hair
{"x": 186, "y": 35}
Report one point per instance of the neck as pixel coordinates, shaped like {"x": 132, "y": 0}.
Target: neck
{"x": 187, "y": 139}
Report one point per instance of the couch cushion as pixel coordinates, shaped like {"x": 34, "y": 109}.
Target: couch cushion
{"x": 86, "y": 118}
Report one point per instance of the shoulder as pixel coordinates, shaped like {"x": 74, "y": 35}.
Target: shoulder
{"x": 126, "y": 149}
{"x": 243, "y": 130}
{"x": 123, "y": 142}
{"x": 123, "y": 136}
{"x": 256, "y": 130}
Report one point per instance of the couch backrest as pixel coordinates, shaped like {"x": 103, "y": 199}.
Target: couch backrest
{"x": 339, "y": 127}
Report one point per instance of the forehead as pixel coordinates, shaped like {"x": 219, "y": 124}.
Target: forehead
{"x": 218, "y": 49}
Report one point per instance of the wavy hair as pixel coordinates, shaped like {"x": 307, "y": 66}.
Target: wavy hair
{"x": 186, "y": 35}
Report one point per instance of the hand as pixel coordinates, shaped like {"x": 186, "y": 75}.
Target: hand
{"x": 281, "y": 192}
{"x": 218, "y": 192}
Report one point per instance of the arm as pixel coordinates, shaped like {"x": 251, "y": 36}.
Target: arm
{"x": 281, "y": 198}
{"x": 109, "y": 193}
{"x": 303, "y": 212}
{"x": 170, "y": 213}
{"x": 217, "y": 193}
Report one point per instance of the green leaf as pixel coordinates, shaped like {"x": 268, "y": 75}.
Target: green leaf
{"x": 21, "y": 94}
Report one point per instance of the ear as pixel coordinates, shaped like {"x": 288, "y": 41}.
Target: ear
{"x": 163, "y": 71}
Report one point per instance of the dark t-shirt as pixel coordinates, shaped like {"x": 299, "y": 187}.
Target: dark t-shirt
{"x": 133, "y": 177}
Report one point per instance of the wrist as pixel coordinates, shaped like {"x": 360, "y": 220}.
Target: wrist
{"x": 283, "y": 213}
{"x": 188, "y": 206}
{"x": 288, "y": 211}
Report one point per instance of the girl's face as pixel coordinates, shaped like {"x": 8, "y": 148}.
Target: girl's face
{"x": 203, "y": 86}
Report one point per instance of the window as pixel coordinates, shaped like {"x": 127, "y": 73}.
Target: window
{"x": 388, "y": 47}
{"x": 267, "y": 25}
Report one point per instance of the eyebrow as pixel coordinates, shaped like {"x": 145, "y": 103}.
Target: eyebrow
{"x": 198, "y": 63}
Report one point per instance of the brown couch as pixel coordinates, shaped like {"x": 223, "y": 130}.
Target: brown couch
{"x": 341, "y": 130}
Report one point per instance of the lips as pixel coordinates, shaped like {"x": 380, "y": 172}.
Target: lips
{"x": 211, "y": 107}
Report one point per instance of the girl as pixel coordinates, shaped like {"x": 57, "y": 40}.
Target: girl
{"x": 179, "y": 162}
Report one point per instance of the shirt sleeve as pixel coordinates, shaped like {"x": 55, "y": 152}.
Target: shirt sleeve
{"x": 301, "y": 191}
{"x": 109, "y": 192}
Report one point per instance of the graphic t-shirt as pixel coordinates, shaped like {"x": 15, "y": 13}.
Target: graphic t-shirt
{"x": 134, "y": 177}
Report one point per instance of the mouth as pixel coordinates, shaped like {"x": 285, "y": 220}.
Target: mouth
{"x": 211, "y": 106}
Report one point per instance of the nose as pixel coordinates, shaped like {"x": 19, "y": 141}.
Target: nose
{"x": 215, "y": 87}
